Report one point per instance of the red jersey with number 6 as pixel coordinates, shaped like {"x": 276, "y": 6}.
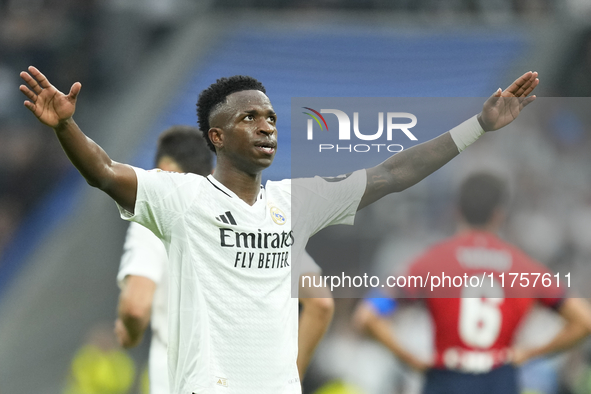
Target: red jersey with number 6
{"x": 478, "y": 288}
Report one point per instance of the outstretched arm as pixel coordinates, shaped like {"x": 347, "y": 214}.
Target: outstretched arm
{"x": 410, "y": 166}
{"x": 55, "y": 109}
{"x": 577, "y": 315}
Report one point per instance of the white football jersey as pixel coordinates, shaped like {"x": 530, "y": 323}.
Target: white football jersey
{"x": 232, "y": 321}
{"x": 144, "y": 255}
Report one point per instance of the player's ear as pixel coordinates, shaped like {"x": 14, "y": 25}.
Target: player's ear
{"x": 498, "y": 217}
{"x": 216, "y": 136}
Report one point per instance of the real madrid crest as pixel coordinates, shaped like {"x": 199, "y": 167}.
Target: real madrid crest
{"x": 277, "y": 215}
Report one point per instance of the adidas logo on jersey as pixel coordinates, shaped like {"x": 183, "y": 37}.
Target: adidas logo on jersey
{"x": 226, "y": 218}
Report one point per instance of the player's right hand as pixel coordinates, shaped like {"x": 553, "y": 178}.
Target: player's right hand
{"x": 48, "y": 104}
{"x": 122, "y": 334}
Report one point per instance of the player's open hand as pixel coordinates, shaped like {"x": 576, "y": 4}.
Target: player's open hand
{"x": 47, "y": 103}
{"x": 504, "y": 106}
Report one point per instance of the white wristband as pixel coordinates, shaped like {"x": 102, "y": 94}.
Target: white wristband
{"x": 466, "y": 133}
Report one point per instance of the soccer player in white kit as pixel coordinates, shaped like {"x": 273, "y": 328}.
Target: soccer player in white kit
{"x": 143, "y": 276}
{"x": 231, "y": 240}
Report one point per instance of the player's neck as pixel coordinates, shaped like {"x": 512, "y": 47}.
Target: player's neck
{"x": 246, "y": 186}
{"x": 466, "y": 228}
{"x": 492, "y": 225}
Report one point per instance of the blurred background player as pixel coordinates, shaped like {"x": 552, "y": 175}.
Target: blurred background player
{"x": 143, "y": 276}
{"x": 474, "y": 331}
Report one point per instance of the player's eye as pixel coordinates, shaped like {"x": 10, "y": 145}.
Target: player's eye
{"x": 272, "y": 119}
{"x": 249, "y": 117}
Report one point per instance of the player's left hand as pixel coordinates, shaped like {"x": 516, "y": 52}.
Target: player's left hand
{"x": 519, "y": 356}
{"x": 504, "y": 106}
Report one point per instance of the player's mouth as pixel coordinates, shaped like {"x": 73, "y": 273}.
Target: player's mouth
{"x": 267, "y": 147}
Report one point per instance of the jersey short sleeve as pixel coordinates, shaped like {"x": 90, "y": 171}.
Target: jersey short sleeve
{"x": 162, "y": 198}
{"x": 419, "y": 268}
{"x": 143, "y": 255}
{"x": 551, "y": 296}
{"x": 320, "y": 202}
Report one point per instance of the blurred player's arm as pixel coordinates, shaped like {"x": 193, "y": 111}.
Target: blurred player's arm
{"x": 134, "y": 310}
{"x": 576, "y": 313}
{"x": 55, "y": 109}
{"x": 406, "y": 168}
{"x": 315, "y": 317}
{"x": 368, "y": 320}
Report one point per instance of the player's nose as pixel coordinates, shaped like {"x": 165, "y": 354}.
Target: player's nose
{"x": 267, "y": 127}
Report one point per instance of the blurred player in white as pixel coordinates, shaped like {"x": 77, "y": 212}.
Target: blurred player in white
{"x": 143, "y": 275}
{"x": 315, "y": 316}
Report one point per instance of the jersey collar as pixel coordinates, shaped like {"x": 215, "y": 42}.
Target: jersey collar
{"x": 218, "y": 185}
